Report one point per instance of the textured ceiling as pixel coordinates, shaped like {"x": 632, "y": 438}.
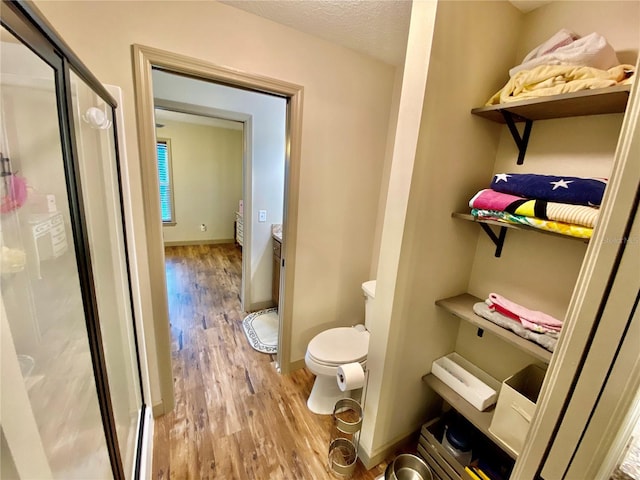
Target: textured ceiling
{"x": 377, "y": 28}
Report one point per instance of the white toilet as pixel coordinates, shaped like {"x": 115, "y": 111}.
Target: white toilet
{"x": 332, "y": 348}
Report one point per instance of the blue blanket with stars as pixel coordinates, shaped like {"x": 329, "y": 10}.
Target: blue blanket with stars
{"x": 573, "y": 190}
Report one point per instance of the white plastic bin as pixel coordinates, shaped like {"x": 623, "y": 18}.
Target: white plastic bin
{"x": 474, "y": 385}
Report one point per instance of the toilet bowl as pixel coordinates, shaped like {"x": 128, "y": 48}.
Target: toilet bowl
{"x": 332, "y": 348}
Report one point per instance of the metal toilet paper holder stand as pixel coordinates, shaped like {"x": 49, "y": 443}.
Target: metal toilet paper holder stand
{"x": 345, "y": 435}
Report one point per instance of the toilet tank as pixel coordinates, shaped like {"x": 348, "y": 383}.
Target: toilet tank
{"x": 369, "y": 289}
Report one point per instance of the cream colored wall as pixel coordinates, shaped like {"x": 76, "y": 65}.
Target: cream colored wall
{"x": 346, "y": 111}
{"x": 455, "y": 151}
{"x": 397, "y": 195}
{"x": 386, "y": 171}
{"x": 617, "y": 21}
{"x": 540, "y": 271}
{"x": 207, "y": 180}
{"x": 456, "y": 156}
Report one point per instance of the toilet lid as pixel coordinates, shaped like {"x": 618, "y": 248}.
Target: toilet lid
{"x": 339, "y": 345}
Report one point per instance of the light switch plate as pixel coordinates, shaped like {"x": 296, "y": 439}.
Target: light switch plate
{"x": 262, "y": 216}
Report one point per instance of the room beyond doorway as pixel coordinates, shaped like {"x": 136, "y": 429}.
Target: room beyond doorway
{"x": 200, "y": 171}
{"x": 145, "y": 60}
{"x": 264, "y": 119}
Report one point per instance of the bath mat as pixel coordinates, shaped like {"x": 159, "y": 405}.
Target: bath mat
{"x": 261, "y": 329}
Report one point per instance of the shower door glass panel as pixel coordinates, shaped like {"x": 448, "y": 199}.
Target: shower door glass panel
{"x": 40, "y": 295}
{"x": 95, "y": 140}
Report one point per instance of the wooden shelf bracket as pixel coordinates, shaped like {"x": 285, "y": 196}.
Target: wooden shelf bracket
{"x": 498, "y": 240}
{"x": 522, "y": 141}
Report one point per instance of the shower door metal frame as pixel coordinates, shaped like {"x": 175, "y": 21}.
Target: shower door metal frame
{"x": 26, "y": 23}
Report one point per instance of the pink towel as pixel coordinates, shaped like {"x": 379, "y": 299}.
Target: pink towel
{"x": 530, "y": 319}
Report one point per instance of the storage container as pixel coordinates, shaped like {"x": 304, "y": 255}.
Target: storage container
{"x": 458, "y": 444}
{"x": 444, "y": 466}
{"x": 442, "y": 463}
{"x": 516, "y": 406}
{"x": 474, "y": 385}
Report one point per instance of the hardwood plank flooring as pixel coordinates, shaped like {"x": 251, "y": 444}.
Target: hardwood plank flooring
{"x": 236, "y": 417}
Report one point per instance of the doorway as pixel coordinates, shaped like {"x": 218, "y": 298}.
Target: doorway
{"x": 263, "y": 117}
{"x": 200, "y": 167}
{"x": 145, "y": 61}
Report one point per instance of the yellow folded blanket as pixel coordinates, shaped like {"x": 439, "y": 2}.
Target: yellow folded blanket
{"x": 545, "y": 80}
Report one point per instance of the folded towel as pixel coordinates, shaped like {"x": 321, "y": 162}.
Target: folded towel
{"x": 592, "y": 50}
{"x": 531, "y": 319}
{"x": 546, "y": 80}
{"x": 561, "y": 228}
{"x": 488, "y": 199}
{"x": 545, "y": 340}
{"x": 572, "y": 190}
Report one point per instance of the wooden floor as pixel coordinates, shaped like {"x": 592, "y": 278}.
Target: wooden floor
{"x": 235, "y": 416}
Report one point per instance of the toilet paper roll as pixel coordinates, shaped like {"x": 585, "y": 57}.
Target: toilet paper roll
{"x": 350, "y": 376}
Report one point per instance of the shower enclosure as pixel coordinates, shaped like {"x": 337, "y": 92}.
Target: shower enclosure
{"x": 71, "y": 399}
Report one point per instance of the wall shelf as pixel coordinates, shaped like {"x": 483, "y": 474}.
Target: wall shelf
{"x": 499, "y": 239}
{"x": 585, "y": 102}
{"x": 462, "y": 307}
{"x": 480, "y": 420}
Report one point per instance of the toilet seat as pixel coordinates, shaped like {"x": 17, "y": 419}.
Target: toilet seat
{"x": 338, "y": 346}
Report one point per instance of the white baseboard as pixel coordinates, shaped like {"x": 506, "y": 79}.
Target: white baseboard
{"x": 297, "y": 365}
{"x": 370, "y": 461}
{"x": 185, "y": 243}
{"x": 157, "y": 409}
{"x": 254, "y": 307}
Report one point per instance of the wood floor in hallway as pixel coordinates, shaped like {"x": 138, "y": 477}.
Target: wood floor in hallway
{"x": 235, "y": 417}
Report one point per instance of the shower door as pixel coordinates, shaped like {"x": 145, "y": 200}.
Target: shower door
{"x": 71, "y": 405}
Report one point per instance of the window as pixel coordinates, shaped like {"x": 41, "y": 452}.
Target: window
{"x": 165, "y": 180}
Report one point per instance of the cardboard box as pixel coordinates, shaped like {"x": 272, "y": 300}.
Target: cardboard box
{"x": 516, "y": 406}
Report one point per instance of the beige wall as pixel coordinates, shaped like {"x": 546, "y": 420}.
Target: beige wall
{"x": 386, "y": 171}
{"x": 547, "y": 267}
{"x": 456, "y": 156}
{"x": 617, "y": 21}
{"x": 455, "y": 152}
{"x": 207, "y": 180}
{"x": 346, "y": 111}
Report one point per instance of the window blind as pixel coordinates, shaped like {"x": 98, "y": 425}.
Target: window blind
{"x": 164, "y": 176}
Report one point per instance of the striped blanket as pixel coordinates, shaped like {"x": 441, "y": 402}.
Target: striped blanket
{"x": 547, "y": 225}
{"x": 488, "y": 199}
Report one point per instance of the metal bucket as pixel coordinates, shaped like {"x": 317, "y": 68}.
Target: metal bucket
{"x": 408, "y": 467}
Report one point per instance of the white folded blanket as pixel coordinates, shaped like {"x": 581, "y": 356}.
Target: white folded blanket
{"x": 562, "y": 38}
{"x": 592, "y": 50}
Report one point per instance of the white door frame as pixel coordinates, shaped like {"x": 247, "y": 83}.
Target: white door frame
{"x": 157, "y": 328}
